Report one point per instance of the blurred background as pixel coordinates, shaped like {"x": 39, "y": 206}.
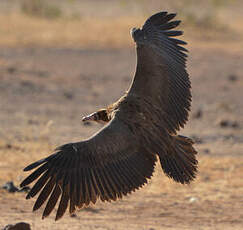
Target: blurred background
{"x": 63, "y": 59}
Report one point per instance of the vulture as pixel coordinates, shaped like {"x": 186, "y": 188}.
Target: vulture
{"x": 141, "y": 128}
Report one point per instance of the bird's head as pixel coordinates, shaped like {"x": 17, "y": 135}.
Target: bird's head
{"x": 100, "y": 116}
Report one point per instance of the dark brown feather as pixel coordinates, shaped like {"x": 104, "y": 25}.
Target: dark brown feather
{"x": 73, "y": 192}
{"x": 63, "y": 203}
{"x": 44, "y": 193}
{"x": 34, "y": 175}
{"x": 160, "y": 75}
{"x": 38, "y": 185}
{"x": 52, "y": 201}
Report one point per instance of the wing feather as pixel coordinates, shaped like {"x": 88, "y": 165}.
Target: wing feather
{"x": 38, "y": 185}
{"x": 34, "y": 175}
{"x": 93, "y": 190}
{"x": 170, "y": 25}
{"x": 81, "y": 202}
{"x": 63, "y": 203}
{"x": 97, "y": 191}
{"x": 73, "y": 192}
{"x": 161, "y": 75}
{"x": 44, "y": 193}
{"x": 122, "y": 188}
{"x": 107, "y": 166}
{"x": 52, "y": 201}
{"x": 86, "y": 188}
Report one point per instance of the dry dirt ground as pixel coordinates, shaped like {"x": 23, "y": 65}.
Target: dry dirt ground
{"x": 44, "y": 92}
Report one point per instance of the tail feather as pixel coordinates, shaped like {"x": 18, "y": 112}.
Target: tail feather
{"x": 179, "y": 161}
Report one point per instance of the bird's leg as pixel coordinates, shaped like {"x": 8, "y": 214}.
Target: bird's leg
{"x": 100, "y": 116}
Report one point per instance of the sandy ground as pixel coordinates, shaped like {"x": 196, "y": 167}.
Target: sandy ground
{"x": 44, "y": 92}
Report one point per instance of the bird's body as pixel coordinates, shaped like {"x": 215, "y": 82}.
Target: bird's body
{"x": 141, "y": 125}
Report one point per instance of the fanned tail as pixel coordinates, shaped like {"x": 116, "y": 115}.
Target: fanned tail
{"x": 179, "y": 162}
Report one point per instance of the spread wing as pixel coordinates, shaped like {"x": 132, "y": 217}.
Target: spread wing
{"x": 160, "y": 75}
{"x": 107, "y": 166}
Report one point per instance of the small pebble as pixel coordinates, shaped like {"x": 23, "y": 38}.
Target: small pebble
{"x": 73, "y": 215}
{"x": 10, "y": 187}
{"x": 207, "y": 151}
{"x": 68, "y": 95}
{"x": 11, "y": 70}
{"x": 18, "y": 226}
{"x": 198, "y": 114}
{"x": 232, "y": 77}
{"x": 229, "y": 124}
{"x": 193, "y": 199}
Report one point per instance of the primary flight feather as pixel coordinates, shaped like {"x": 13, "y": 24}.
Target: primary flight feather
{"x": 142, "y": 125}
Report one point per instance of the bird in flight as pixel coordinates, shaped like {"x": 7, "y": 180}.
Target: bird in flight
{"x": 141, "y": 127}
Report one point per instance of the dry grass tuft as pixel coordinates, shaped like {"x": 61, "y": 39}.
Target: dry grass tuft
{"x": 41, "y": 8}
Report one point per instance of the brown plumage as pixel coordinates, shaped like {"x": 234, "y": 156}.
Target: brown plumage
{"x": 142, "y": 125}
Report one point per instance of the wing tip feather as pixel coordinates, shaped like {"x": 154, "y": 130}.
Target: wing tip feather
{"x": 33, "y": 165}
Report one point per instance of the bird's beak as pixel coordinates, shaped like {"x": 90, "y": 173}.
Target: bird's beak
{"x": 90, "y": 117}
